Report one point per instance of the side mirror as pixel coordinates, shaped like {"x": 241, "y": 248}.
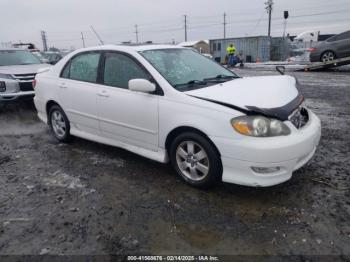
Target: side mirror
{"x": 281, "y": 69}
{"x": 141, "y": 85}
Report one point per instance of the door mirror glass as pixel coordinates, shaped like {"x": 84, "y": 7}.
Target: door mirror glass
{"x": 141, "y": 85}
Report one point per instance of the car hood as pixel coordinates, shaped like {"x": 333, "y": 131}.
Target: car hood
{"x": 275, "y": 96}
{"x": 22, "y": 69}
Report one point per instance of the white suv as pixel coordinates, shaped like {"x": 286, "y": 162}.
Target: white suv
{"x": 171, "y": 103}
{"x": 18, "y": 68}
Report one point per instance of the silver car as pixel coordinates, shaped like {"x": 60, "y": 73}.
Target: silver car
{"x": 335, "y": 47}
{"x": 18, "y": 68}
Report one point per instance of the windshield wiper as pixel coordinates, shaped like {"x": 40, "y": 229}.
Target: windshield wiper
{"x": 219, "y": 78}
{"x": 192, "y": 83}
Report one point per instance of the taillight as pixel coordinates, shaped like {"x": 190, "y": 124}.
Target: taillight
{"x": 34, "y": 83}
{"x": 312, "y": 49}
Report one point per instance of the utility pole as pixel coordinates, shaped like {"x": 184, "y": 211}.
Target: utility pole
{"x": 285, "y": 15}
{"x": 44, "y": 39}
{"x": 98, "y": 37}
{"x": 268, "y": 7}
{"x": 225, "y": 25}
{"x": 185, "y": 28}
{"x": 137, "y": 34}
{"x": 82, "y": 38}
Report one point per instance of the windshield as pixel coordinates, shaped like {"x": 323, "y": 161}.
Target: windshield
{"x": 17, "y": 57}
{"x": 185, "y": 69}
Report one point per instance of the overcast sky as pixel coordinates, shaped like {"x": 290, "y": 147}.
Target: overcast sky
{"x": 161, "y": 20}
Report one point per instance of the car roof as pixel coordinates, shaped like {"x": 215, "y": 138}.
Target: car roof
{"x": 13, "y": 49}
{"x": 137, "y": 48}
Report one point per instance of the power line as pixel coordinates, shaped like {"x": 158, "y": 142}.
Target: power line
{"x": 198, "y": 23}
{"x": 160, "y": 26}
{"x": 313, "y": 6}
{"x": 323, "y": 13}
{"x": 257, "y": 24}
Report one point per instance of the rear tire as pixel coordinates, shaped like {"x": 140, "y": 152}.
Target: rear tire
{"x": 328, "y": 56}
{"x": 59, "y": 124}
{"x": 196, "y": 160}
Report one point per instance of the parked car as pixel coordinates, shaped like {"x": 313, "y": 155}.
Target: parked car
{"x": 40, "y": 55}
{"x": 172, "y": 104}
{"x": 18, "y": 68}
{"x": 53, "y": 57}
{"x": 337, "y": 46}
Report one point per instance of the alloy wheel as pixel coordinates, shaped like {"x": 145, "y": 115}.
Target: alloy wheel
{"x": 328, "y": 56}
{"x": 58, "y": 124}
{"x": 192, "y": 160}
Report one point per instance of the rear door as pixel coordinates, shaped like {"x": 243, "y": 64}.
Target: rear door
{"x": 78, "y": 91}
{"x": 126, "y": 116}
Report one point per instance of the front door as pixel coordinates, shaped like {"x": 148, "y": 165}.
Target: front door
{"x": 126, "y": 116}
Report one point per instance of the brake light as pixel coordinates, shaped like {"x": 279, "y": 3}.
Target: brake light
{"x": 34, "y": 83}
{"x": 312, "y": 49}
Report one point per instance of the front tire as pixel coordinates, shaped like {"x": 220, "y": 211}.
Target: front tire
{"x": 59, "y": 124}
{"x": 196, "y": 160}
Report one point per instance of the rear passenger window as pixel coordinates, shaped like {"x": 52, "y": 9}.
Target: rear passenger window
{"x": 339, "y": 37}
{"x": 83, "y": 67}
{"x": 119, "y": 69}
{"x": 344, "y": 36}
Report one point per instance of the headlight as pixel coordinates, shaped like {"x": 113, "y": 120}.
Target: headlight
{"x": 6, "y": 76}
{"x": 259, "y": 126}
{"x": 2, "y": 86}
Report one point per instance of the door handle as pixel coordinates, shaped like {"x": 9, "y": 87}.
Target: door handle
{"x": 62, "y": 85}
{"x": 103, "y": 94}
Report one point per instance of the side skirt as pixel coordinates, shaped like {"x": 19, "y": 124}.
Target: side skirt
{"x": 159, "y": 156}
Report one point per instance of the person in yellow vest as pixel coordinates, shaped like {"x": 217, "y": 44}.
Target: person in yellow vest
{"x": 231, "y": 50}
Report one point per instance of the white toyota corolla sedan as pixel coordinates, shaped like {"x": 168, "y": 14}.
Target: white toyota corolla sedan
{"x": 170, "y": 103}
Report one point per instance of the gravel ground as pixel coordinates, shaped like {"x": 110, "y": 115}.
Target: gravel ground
{"x": 86, "y": 198}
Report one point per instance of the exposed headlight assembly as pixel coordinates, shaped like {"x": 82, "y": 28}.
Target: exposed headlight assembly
{"x": 259, "y": 126}
{"x": 2, "y": 86}
{"x": 6, "y": 76}
{"x": 3, "y": 83}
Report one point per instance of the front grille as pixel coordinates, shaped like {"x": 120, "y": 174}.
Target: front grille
{"x": 25, "y": 81}
{"x": 26, "y": 86}
{"x": 24, "y": 77}
{"x": 300, "y": 117}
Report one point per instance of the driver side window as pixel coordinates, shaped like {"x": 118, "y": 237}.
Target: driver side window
{"x": 119, "y": 69}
